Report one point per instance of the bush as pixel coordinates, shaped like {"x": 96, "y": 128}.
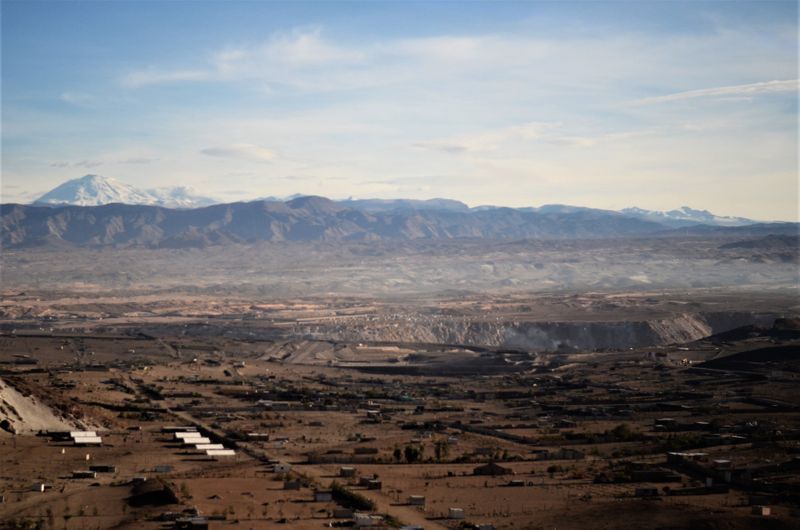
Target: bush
{"x": 350, "y": 499}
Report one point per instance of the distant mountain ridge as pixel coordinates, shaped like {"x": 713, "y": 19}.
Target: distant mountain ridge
{"x": 97, "y": 190}
{"x": 685, "y": 216}
{"x": 311, "y": 218}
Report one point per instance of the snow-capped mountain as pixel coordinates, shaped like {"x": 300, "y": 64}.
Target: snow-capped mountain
{"x": 180, "y": 197}
{"x": 96, "y": 190}
{"x": 685, "y": 216}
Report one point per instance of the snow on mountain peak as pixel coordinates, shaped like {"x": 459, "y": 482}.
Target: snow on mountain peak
{"x": 96, "y": 190}
{"x": 685, "y": 216}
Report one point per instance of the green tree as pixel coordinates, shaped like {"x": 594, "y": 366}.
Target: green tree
{"x": 441, "y": 449}
{"x": 412, "y": 454}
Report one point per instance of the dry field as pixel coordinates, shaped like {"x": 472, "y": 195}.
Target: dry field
{"x": 575, "y": 434}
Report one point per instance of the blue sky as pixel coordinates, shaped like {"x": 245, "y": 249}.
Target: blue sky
{"x": 653, "y": 104}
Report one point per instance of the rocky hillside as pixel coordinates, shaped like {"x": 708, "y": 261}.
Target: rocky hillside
{"x": 301, "y": 219}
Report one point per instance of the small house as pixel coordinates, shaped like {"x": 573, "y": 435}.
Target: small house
{"x": 416, "y": 500}
{"x": 346, "y": 471}
{"x": 342, "y": 513}
{"x": 455, "y": 513}
{"x": 323, "y": 496}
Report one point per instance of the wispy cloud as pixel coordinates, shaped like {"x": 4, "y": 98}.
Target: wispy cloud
{"x": 279, "y": 58}
{"x": 82, "y": 163}
{"x": 519, "y": 137}
{"x": 154, "y": 76}
{"x": 75, "y": 98}
{"x": 138, "y": 160}
{"x": 735, "y": 91}
{"x": 241, "y": 151}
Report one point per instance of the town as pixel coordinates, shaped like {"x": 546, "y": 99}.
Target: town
{"x": 132, "y": 430}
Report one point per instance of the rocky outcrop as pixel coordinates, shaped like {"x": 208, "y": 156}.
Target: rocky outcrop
{"x": 551, "y": 336}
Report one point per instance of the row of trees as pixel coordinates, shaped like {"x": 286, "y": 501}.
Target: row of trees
{"x": 414, "y": 453}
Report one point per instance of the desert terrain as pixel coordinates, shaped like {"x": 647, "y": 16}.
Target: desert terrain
{"x": 472, "y": 384}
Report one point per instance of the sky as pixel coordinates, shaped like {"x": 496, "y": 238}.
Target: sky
{"x": 600, "y": 104}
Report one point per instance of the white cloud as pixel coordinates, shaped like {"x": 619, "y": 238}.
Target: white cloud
{"x": 304, "y": 47}
{"x": 241, "y": 151}
{"x": 520, "y": 137}
{"x": 729, "y": 92}
{"x": 277, "y": 60}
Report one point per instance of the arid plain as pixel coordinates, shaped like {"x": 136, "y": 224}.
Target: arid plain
{"x": 461, "y": 385}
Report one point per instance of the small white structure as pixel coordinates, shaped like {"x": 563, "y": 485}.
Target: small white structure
{"x": 206, "y": 447}
{"x": 220, "y": 452}
{"x": 196, "y": 441}
{"x": 85, "y": 438}
{"x": 187, "y": 435}
{"x": 88, "y": 440}
{"x": 455, "y": 513}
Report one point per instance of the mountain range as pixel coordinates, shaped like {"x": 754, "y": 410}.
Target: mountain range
{"x": 97, "y": 190}
{"x": 97, "y": 211}
{"x": 312, "y": 218}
